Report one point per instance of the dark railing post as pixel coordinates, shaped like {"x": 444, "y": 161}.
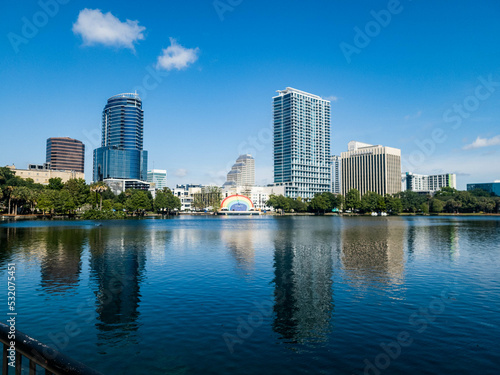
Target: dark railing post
{"x": 19, "y": 363}
{"x": 35, "y": 352}
{"x": 5, "y": 363}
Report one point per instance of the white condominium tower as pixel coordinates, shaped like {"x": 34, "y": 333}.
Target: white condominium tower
{"x": 371, "y": 168}
{"x": 336, "y": 173}
{"x": 301, "y": 143}
{"x": 242, "y": 172}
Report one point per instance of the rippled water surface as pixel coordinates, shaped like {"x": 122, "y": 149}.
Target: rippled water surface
{"x": 261, "y": 295}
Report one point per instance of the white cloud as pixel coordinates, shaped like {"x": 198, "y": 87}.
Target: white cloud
{"x": 181, "y": 172}
{"x": 332, "y": 98}
{"x": 483, "y": 142}
{"x": 96, "y": 27}
{"x": 176, "y": 56}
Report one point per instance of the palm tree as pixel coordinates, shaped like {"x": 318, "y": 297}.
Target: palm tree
{"x": 8, "y": 190}
{"x": 16, "y": 195}
{"x": 33, "y": 199}
{"x": 99, "y": 188}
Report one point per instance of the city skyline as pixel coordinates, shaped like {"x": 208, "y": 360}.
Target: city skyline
{"x": 390, "y": 73}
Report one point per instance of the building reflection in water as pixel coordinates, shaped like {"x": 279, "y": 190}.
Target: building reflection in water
{"x": 373, "y": 253}
{"x": 59, "y": 252}
{"x": 440, "y": 240}
{"x": 61, "y": 263}
{"x": 303, "y": 280}
{"x": 117, "y": 266}
{"x": 240, "y": 243}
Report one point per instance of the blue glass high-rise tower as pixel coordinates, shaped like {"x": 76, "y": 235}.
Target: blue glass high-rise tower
{"x": 121, "y": 154}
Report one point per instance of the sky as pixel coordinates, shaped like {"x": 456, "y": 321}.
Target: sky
{"x": 421, "y": 76}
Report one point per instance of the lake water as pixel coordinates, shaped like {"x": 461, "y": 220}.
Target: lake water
{"x": 261, "y": 295}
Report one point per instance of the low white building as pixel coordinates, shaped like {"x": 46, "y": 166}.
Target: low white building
{"x": 185, "y": 194}
{"x": 427, "y": 183}
{"x": 118, "y": 185}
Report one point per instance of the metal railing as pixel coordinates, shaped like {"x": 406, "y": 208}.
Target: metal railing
{"x": 37, "y": 355}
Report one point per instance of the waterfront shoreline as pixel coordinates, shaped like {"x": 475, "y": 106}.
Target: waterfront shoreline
{"x": 7, "y": 217}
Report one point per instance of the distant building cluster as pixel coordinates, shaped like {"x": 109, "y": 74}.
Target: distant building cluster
{"x": 65, "y": 159}
{"x": 303, "y": 164}
{"x": 428, "y": 184}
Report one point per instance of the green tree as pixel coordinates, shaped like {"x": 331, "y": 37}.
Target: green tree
{"x": 279, "y": 203}
{"x": 371, "y": 202}
{"x": 393, "y": 204}
{"x": 298, "y": 205}
{"x": 320, "y": 203}
{"x": 138, "y": 201}
{"x": 6, "y": 174}
{"x": 65, "y": 203}
{"x": 107, "y": 204}
{"x": 46, "y": 201}
{"x": 20, "y": 195}
{"x": 55, "y": 183}
{"x": 78, "y": 190}
{"x": 166, "y": 201}
{"x": 117, "y": 206}
{"x": 436, "y": 205}
{"x": 445, "y": 192}
{"x": 480, "y": 193}
{"x": 452, "y": 206}
{"x": 411, "y": 200}
{"x": 424, "y": 207}
{"x": 352, "y": 200}
{"x": 485, "y": 204}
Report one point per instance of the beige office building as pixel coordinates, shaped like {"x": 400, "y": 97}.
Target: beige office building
{"x": 41, "y": 174}
{"x": 367, "y": 167}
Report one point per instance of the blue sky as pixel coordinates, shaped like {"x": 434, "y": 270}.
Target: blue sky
{"x": 424, "y": 77}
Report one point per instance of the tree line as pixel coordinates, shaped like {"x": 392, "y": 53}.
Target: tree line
{"x": 76, "y": 197}
{"x": 446, "y": 200}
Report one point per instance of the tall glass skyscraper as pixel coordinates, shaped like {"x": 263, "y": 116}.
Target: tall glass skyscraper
{"x": 121, "y": 154}
{"x": 301, "y": 143}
